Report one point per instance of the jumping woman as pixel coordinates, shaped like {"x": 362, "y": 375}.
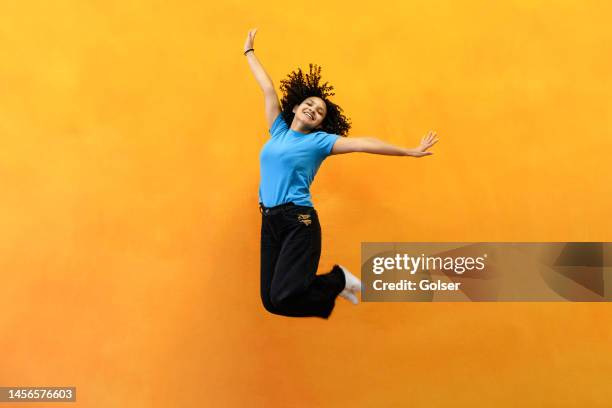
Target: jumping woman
{"x": 305, "y": 127}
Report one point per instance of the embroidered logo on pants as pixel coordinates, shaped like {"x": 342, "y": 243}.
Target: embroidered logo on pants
{"x": 304, "y": 218}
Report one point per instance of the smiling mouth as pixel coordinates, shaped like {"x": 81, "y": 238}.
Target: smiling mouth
{"x": 309, "y": 115}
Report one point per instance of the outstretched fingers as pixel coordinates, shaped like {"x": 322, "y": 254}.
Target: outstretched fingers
{"x": 250, "y": 38}
{"x": 430, "y": 139}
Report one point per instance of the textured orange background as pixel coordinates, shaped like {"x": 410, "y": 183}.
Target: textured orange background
{"x": 129, "y": 246}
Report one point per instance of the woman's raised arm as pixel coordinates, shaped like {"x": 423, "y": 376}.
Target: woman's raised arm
{"x": 272, "y": 106}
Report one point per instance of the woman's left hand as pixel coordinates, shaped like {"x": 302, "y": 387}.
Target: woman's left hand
{"x": 426, "y": 142}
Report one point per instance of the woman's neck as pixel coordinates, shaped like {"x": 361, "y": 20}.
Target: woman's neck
{"x": 298, "y": 126}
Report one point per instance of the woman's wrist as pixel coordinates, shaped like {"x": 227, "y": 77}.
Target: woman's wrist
{"x": 246, "y": 52}
{"x": 408, "y": 152}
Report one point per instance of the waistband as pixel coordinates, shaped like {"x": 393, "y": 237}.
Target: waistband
{"x": 279, "y": 208}
{"x": 273, "y": 210}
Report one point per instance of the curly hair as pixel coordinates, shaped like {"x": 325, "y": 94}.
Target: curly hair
{"x": 298, "y": 87}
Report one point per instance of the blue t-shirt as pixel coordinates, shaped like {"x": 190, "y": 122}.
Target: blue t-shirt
{"x": 288, "y": 163}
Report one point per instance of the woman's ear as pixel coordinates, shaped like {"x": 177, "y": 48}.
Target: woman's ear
{"x": 295, "y": 108}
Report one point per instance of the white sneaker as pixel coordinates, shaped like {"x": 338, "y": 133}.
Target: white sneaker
{"x": 353, "y": 285}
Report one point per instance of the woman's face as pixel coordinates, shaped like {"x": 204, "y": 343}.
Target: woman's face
{"x": 311, "y": 112}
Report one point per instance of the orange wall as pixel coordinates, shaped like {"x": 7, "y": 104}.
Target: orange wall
{"x": 129, "y": 247}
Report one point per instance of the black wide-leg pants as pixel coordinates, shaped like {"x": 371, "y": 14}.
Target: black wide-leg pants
{"x": 290, "y": 252}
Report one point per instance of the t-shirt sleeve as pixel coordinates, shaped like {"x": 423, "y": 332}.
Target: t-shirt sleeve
{"x": 326, "y": 142}
{"x": 278, "y": 126}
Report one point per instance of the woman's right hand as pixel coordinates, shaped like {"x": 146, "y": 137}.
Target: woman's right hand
{"x": 250, "y": 40}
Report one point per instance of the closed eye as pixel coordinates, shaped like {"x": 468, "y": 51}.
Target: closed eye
{"x": 318, "y": 110}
